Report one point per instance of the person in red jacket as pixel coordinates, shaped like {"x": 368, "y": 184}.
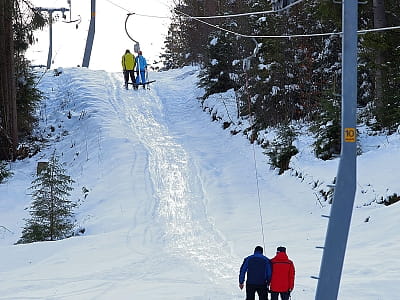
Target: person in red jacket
{"x": 282, "y": 279}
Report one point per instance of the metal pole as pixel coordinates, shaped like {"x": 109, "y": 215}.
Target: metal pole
{"x": 50, "y": 54}
{"x": 50, "y": 11}
{"x": 90, "y": 37}
{"x": 345, "y": 187}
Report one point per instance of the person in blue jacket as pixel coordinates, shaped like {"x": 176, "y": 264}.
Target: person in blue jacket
{"x": 258, "y": 269}
{"x": 141, "y": 67}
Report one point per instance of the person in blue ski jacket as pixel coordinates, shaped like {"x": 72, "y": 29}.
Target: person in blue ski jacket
{"x": 258, "y": 269}
{"x": 141, "y": 67}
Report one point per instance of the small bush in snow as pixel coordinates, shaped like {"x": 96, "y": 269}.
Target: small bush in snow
{"x": 4, "y": 171}
{"x": 391, "y": 199}
{"x": 327, "y": 130}
{"x": 281, "y": 149}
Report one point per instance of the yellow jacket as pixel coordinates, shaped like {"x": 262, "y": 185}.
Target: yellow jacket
{"x": 128, "y": 61}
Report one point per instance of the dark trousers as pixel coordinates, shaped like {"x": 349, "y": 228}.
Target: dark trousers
{"x": 284, "y": 295}
{"x": 127, "y": 74}
{"x": 262, "y": 291}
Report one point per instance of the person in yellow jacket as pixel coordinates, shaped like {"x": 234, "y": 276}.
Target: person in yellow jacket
{"x": 128, "y": 67}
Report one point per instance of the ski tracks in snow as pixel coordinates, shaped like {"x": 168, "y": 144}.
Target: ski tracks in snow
{"x": 177, "y": 191}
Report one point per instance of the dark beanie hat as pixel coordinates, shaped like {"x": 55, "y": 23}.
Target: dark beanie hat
{"x": 258, "y": 249}
{"x": 281, "y": 249}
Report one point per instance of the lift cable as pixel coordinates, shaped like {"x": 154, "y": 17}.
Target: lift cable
{"x": 283, "y": 36}
{"x": 123, "y": 8}
{"x": 152, "y": 16}
{"x": 199, "y": 19}
{"x": 140, "y": 15}
{"x": 246, "y": 68}
{"x": 216, "y": 16}
{"x": 248, "y": 13}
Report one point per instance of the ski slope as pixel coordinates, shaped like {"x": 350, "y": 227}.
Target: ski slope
{"x": 173, "y": 205}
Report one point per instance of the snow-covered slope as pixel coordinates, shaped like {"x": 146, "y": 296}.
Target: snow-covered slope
{"x": 173, "y": 205}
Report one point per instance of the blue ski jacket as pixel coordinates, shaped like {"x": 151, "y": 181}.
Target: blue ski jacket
{"x": 258, "y": 268}
{"x": 141, "y": 63}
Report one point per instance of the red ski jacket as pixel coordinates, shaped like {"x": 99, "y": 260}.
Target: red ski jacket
{"x": 282, "y": 279}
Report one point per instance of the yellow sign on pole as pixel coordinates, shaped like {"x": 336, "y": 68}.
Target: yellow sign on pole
{"x": 350, "y": 135}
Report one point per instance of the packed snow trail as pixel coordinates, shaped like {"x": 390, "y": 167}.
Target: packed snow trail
{"x": 177, "y": 192}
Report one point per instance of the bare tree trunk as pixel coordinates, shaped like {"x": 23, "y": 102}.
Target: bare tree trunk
{"x": 379, "y": 22}
{"x": 8, "y": 105}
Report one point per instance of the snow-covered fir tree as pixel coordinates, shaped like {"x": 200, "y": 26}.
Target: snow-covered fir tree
{"x": 216, "y": 75}
{"x": 51, "y": 211}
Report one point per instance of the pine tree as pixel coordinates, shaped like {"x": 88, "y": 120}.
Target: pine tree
{"x": 326, "y": 129}
{"x": 216, "y": 77}
{"x": 25, "y": 21}
{"x": 175, "y": 50}
{"x": 379, "y": 57}
{"x": 51, "y": 211}
{"x": 281, "y": 149}
{"x": 5, "y": 171}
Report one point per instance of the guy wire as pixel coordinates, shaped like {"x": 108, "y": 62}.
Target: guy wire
{"x": 255, "y": 160}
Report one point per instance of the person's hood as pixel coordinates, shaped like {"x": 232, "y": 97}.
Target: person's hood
{"x": 281, "y": 256}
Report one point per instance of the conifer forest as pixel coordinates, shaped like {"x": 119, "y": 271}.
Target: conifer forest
{"x": 284, "y": 65}
{"x": 283, "y": 70}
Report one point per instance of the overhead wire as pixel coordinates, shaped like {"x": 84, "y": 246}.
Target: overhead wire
{"x": 151, "y": 16}
{"x": 258, "y": 193}
{"x": 378, "y": 29}
{"x": 201, "y": 20}
{"x": 117, "y": 5}
{"x": 246, "y": 67}
{"x": 284, "y": 36}
{"x": 248, "y": 13}
{"x": 251, "y": 119}
{"x": 256, "y": 36}
{"x": 141, "y": 15}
